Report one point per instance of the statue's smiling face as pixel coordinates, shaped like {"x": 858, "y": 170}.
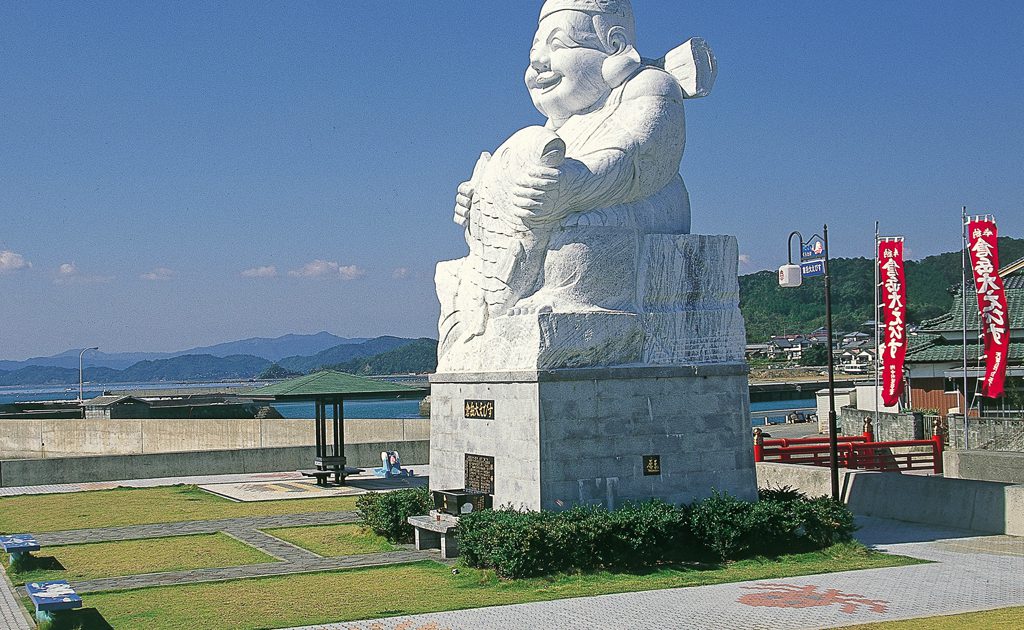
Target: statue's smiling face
{"x": 564, "y": 77}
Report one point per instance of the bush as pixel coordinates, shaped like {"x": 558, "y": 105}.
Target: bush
{"x": 386, "y": 513}
{"x": 722, "y": 524}
{"x": 518, "y": 544}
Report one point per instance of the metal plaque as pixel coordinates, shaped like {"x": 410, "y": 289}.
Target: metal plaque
{"x": 480, "y": 473}
{"x": 812, "y": 268}
{"x": 652, "y": 465}
{"x": 479, "y": 409}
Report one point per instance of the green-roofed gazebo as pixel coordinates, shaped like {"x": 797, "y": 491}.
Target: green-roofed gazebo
{"x": 332, "y": 388}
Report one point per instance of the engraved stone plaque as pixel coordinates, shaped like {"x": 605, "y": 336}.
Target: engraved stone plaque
{"x": 480, "y": 473}
{"x": 479, "y": 409}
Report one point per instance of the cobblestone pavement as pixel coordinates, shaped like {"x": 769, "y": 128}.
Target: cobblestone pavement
{"x": 12, "y": 615}
{"x": 967, "y": 573}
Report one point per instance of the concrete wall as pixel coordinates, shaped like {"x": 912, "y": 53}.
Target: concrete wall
{"x": 984, "y": 465}
{"x": 60, "y": 438}
{"x": 983, "y": 506}
{"x": 53, "y": 470}
{"x": 890, "y": 426}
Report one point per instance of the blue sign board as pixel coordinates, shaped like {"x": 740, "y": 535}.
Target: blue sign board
{"x": 812, "y": 268}
{"x": 814, "y": 248}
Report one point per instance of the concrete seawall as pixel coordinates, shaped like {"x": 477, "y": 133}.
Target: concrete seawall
{"x": 54, "y": 470}
{"x": 38, "y": 438}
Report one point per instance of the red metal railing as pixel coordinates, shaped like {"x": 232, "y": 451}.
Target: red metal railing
{"x": 858, "y": 452}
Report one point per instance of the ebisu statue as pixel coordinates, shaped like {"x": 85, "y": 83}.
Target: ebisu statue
{"x": 577, "y": 230}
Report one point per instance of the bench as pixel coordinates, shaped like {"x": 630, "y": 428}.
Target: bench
{"x": 18, "y": 546}
{"x": 51, "y": 597}
{"x": 322, "y": 476}
{"x": 436, "y": 531}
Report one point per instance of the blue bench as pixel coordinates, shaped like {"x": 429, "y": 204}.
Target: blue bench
{"x": 51, "y": 597}
{"x": 18, "y": 546}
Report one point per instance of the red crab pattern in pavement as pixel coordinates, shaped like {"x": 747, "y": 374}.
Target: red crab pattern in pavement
{"x": 793, "y": 596}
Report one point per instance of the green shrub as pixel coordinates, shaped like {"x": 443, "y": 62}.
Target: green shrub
{"x": 518, "y": 544}
{"x": 721, "y": 523}
{"x": 825, "y": 521}
{"x": 386, "y": 513}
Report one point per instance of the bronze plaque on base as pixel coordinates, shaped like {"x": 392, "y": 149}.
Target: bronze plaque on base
{"x": 652, "y": 465}
{"x": 480, "y": 473}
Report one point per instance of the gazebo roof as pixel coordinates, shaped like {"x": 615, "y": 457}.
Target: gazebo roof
{"x": 335, "y": 385}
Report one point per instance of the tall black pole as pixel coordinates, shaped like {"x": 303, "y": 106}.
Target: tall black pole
{"x": 833, "y": 448}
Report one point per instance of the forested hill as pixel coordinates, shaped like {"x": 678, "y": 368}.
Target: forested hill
{"x": 771, "y": 310}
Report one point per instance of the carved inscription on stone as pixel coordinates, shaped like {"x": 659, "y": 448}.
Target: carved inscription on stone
{"x": 480, "y": 473}
{"x": 480, "y": 409}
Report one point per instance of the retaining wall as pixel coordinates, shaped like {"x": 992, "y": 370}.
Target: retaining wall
{"x": 60, "y": 438}
{"x": 984, "y": 465}
{"x": 54, "y": 470}
{"x": 984, "y": 506}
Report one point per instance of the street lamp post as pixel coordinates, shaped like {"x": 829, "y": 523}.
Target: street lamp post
{"x": 792, "y": 276}
{"x": 81, "y": 380}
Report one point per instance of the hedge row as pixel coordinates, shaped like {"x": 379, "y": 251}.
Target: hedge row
{"x": 523, "y": 544}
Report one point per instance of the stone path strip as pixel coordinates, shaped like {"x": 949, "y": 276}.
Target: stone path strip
{"x": 967, "y": 573}
{"x": 196, "y": 576}
{"x": 187, "y": 528}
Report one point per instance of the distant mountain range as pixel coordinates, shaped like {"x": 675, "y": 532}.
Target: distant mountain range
{"x": 207, "y": 366}
{"x": 271, "y": 349}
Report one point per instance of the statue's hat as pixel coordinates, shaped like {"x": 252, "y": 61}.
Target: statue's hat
{"x": 611, "y": 7}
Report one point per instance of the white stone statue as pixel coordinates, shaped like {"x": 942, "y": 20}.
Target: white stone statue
{"x": 572, "y": 226}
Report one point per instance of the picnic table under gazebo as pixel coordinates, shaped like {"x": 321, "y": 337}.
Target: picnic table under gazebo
{"x": 329, "y": 388}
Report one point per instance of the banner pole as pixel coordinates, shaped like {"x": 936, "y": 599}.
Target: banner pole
{"x": 878, "y": 340}
{"x": 963, "y": 294}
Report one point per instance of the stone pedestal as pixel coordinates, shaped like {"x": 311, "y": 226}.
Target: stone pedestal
{"x": 597, "y": 435}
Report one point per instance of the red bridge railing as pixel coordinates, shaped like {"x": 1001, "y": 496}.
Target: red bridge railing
{"x": 859, "y": 452}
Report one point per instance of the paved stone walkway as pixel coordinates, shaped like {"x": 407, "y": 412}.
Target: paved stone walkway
{"x": 967, "y": 573}
{"x": 12, "y": 615}
{"x": 62, "y": 488}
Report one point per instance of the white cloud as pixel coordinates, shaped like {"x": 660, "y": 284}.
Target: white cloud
{"x": 269, "y": 271}
{"x": 10, "y": 261}
{"x": 400, "y": 273}
{"x": 327, "y": 269}
{"x": 68, "y": 273}
{"x": 158, "y": 274}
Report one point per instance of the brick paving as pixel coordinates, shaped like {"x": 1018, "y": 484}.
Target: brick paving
{"x": 967, "y": 573}
{"x": 12, "y": 615}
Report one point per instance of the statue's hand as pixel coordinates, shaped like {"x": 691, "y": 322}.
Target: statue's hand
{"x": 467, "y": 190}
{"x": 537, "y": 195}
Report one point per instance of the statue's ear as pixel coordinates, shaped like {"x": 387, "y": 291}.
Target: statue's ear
{"x": 623, "y": 60}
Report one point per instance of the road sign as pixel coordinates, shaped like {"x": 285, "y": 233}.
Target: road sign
{"x": 813, "y": 248}
{"x": 812, "y": 268}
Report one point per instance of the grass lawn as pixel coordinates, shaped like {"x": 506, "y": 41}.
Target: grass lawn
{"x": 35, "y": 514}
{"x": 334, "y": 540}
{"x": 1008, "y": 618}
{"x": 133, "y": 557}
{"x": 296, "y": 600}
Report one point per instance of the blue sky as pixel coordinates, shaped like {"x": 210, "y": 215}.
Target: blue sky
{"x": 176, "y": 174}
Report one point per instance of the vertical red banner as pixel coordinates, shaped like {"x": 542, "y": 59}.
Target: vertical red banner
{"x": 894, "y": 317}
{"x": 984, "y": 247}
